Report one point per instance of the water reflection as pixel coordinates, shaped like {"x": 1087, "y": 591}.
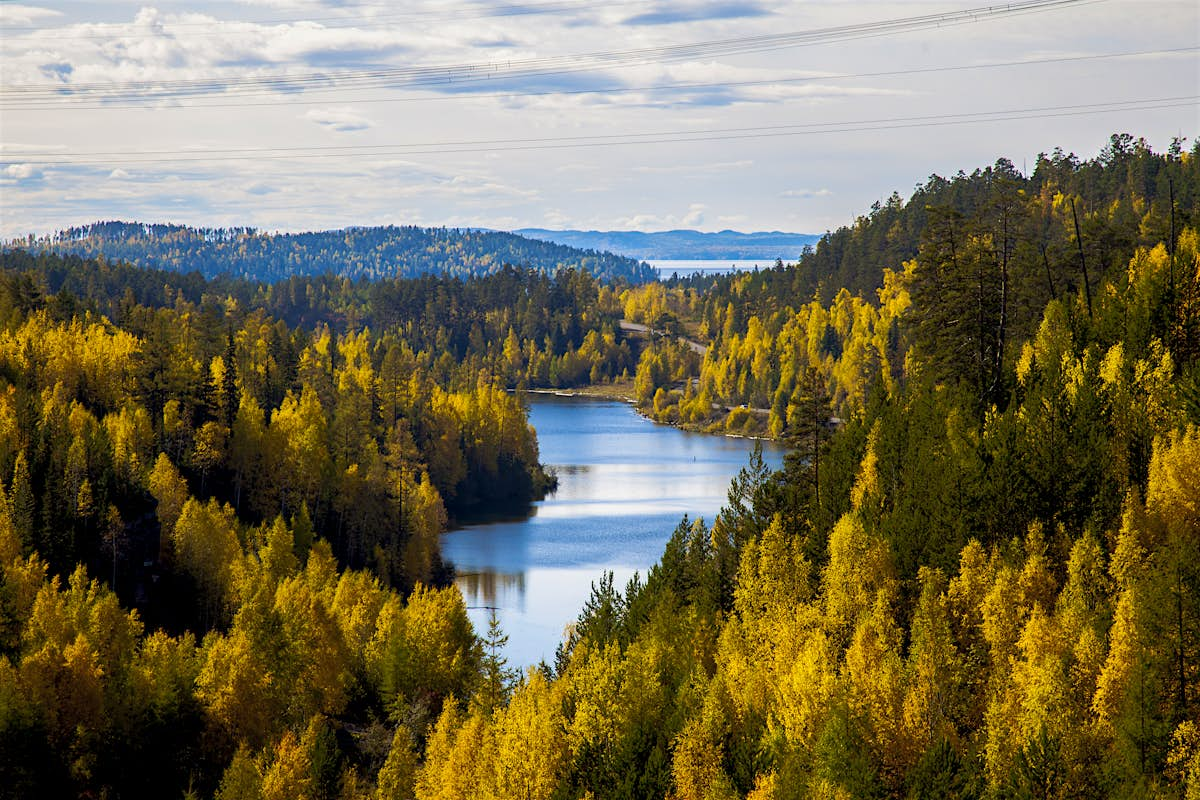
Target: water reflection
{"x": 624, "y": 484}
{"x": 497, "y": 589}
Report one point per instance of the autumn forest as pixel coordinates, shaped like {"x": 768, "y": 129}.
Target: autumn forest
{"x": 977, "y": 574}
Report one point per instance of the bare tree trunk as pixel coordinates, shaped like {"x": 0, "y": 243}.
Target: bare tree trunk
{"x": 1049, "y": 277}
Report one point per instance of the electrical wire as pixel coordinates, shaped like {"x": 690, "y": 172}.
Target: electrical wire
{"x": 478, "y": 12}
{"x": 539, "y": 67}
{"x": 598, "y": 140}
{"x": 677, "y": 87}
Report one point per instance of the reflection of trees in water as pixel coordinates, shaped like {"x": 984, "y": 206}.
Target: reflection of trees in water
{"x": 488, "y": 586}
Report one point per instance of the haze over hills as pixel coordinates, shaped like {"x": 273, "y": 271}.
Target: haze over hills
{"x": 683, "y": 244}
{"x": 375, "y": 252}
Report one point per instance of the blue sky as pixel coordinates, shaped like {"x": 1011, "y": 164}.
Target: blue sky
{"x": 709, "y": 114}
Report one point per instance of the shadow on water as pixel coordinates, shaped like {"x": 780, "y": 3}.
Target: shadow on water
{"x": 516, "y": 512}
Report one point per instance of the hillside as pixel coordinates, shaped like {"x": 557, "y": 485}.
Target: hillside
{"x": 683, "y": 244}
{"x": 221, "y": 500}
{"x": 372, "y": 253}
{"x": 854, "y": 256}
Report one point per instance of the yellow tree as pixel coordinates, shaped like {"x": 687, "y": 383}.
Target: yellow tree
{"x": 456, "y": 754}
{"x": 170, "y": 490}
{"x": 297, "y": 452}
{"x": 397, "y": 777}
{"x": 935, "y": 692}
{"x": 530, "y": 745}
{"x": 206, "y": 548}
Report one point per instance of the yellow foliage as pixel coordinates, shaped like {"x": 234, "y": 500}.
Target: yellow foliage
{"x": 874, "y": 677}
{"x": 456, "y": 753}
{"x": 696, "y": 765}
{"x": 1124, "y": 652}
{"x": 859, "y": 567}
{"x": 290, "y": 775}
{"x": 1183, "y": 760}
{"x": 806, "y": 690}
{"x": 530, "y": 745}
{"x": 397, "y": 776}
{"x": 596, "y": 677}
{"x": 206, "y": 547}
{"x": 1173, "y": 490}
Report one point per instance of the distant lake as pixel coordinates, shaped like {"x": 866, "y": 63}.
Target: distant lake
{"x": 714, "y": 267}
{"x": 623, "y": 485}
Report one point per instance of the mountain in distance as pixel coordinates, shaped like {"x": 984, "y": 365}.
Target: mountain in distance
{"x": 368, "y": 252}
{"x": 683, "y": 244}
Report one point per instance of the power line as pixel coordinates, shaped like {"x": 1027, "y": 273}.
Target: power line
{"x": 535, "y": 67}
{"x": 478, "y": 12}
{"x": 600, "y": 140}
{"x": 678, "y": 87}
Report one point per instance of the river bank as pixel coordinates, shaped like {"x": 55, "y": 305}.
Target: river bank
{"x": 622, "y": 392}
{"x": 624, "y": 485}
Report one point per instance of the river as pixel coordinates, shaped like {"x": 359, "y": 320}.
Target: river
{"x": 623, "y": 485}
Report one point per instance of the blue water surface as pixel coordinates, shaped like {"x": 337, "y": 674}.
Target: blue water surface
{"x": 624, "y": 483}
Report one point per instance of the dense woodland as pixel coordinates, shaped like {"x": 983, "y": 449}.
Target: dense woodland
{"x": 958, "y": 278}
{"x": 977, "y": 575}
{"x": 380, "y": 252}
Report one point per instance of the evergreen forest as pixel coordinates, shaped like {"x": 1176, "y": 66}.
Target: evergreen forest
{"x": 977, "y": 574}
{"x": 378, "y": 252}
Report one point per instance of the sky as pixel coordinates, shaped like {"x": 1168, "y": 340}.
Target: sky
{"x": 750, "y": 115}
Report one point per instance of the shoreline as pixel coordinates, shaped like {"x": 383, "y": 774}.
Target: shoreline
{"x": 614, "y": 394}
{"x": 595, "y": 392}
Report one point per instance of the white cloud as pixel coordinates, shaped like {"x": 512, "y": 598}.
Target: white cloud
{"x": 693, "y": 169}
{"x": 805, "y": 194}
{"x": 692, "y": 218}
{"x": 695, "y": 215}
{"x": 20, "y": 171}
{"x": 721, "y": 180}
{"x": 21, "y": 15}
{"x": 342, "y": 120}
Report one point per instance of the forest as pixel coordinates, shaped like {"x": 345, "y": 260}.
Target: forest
{"x": 976, "y": 576}
{"x": 379, "y": 252}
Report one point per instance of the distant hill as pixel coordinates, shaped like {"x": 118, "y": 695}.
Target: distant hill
{"x": 379, "y": 252}
{"x": 683, "y": 244}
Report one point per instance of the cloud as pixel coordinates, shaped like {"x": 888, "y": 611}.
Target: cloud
{"x": 672, "y": 13}
{"x": 21, "y": 172}
{"x": 16, "y": 14}
{"x": 805, "y": 194}
{"x": 693, "y": 169}
{"x": 692, "y": 218}
{"x": 494, "y": 43}
{"x": 695, "y": 215}
{"x": 118, "y": 174}
{"x": 479, "y": 188}
{"x": 342, "y": 120}
{"x": 651, "y": 186}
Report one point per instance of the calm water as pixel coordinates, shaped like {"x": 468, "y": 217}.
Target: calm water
{"x": 623, "y": 485}
{"x": 666, "y": 268}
